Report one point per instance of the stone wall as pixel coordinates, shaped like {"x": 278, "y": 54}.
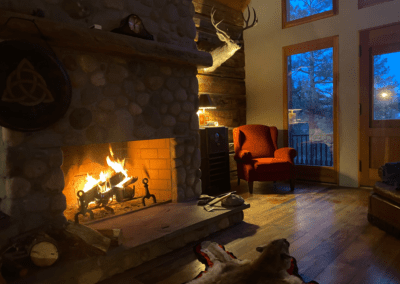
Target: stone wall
{"x": 169, "y": 21}
{"x": 114, "y": 99}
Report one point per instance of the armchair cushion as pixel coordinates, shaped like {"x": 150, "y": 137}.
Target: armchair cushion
{"x": 271, "y": 165}
{"x": 257, "y": 140}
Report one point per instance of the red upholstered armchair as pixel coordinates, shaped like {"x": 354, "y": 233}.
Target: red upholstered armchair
{"x": 258, "y": 157}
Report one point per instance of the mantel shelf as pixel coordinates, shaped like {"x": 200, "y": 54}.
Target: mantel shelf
{"x": 69, "y": 36}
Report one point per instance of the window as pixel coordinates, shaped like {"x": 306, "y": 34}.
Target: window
{"x": 296, "y": 12}
{"x": 310, "y": 107}
{"x": 386, "y": 92}
{"x": 367, "y": 3}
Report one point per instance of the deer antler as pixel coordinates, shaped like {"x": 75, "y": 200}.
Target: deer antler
{"x": 255, "y": 21}
{"x": 213, "y": 10}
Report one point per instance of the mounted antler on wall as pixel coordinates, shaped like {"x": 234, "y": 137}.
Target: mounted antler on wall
{"x": 226, "y": 51}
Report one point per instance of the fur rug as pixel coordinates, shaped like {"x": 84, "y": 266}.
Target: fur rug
{"x": 273, "y": 266}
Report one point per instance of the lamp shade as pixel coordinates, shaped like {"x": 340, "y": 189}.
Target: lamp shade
{"x": 205, "y": 102}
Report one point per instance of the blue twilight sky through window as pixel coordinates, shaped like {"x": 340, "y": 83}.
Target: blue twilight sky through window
{"x": 393, "y": 61}
{"x": 300, "y": 4}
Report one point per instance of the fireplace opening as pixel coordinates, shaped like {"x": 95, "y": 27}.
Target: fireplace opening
{"x": 110, "y": 179}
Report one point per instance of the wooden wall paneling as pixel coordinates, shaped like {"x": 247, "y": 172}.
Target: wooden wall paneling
{"x": 203, "y": 23}
{"x": 237, "y": 60}
{"x": 239, "y": 5}
{"x": 227, "y": 72}
{"x": 232, "y": 16}
{"x": 220, "y": 85}
{"x": 384, "y": 150}
{"x": 377, "y": 156}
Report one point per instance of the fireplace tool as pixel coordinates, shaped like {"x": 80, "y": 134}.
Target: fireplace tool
{"x": 148, "y": 195}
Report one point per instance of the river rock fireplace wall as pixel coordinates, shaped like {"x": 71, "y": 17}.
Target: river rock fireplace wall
{"x": 124, "y": 92}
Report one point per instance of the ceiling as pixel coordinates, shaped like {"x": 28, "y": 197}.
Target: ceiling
{"x": 239, "y": 5}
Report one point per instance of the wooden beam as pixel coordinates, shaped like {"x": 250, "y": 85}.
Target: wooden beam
{"x": 98, "y": 41}
{"x": 219, "y": 85}
{"x": 228, "y": 14}
{"x": 238, "y": 5}
{"x": 226, "y": 72}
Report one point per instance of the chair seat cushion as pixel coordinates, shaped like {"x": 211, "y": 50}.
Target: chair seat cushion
{"x": 271, "y": 165}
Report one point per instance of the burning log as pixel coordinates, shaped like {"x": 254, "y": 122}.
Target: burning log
{"x": 99, "y": 195}
{"x": 125, "y": 192}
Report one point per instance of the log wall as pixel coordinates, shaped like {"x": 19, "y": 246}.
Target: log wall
{"x": 226, "y": 85}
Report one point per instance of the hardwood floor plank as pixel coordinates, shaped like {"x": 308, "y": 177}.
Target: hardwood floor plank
{"x": 354, "y": 258}
{"x": 326, "y": 226}
{"x": 382, "y": 257}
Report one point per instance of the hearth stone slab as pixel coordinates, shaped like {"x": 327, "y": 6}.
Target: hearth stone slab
{"x": 147, "y": 234}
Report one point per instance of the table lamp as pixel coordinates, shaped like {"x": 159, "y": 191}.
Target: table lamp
{"x": 204, "y": 103}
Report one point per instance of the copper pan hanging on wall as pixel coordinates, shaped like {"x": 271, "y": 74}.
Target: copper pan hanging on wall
{"x": 35, "y": 90}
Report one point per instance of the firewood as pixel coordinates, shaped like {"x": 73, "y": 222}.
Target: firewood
{"x": 114, "y": 234}
{"x": 43, "y": 251}
{"x": 95, "y": 241}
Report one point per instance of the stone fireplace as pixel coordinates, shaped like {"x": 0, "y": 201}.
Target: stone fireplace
{"x": 135, "y": 97}
{"x": 138, "y": 96}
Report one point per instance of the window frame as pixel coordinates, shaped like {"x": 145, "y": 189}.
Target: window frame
{"x": 369, "y": 3}
{"x": 315, "y": 173}
{"x": 312, "y": 18}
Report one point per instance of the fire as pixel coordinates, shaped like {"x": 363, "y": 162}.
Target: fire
{"x": 117, "y": 166}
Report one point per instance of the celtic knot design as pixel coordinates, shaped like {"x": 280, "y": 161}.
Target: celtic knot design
{"x": 26, "y": 86}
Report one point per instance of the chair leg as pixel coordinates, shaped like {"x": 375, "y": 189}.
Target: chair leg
{"x": 238, "y": 180}
{"x": 292, "y": 184}
{"x": 251, "y": 187}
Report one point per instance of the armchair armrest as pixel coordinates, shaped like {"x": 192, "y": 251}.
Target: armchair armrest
{"x": 243, "y": 156}
{"x": 285, "y": 153}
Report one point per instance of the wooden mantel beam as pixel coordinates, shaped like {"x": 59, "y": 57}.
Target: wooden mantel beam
{"x": 69, "y": 36}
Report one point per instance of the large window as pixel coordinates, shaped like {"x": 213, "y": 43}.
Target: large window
{"x": 310, "y": 87}
{"x": 296, "y": 12}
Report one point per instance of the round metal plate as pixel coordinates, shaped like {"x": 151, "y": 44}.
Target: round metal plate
{"x": 35, "y": 89}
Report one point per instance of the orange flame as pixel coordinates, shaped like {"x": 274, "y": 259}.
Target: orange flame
{"x": 116, "y": 166}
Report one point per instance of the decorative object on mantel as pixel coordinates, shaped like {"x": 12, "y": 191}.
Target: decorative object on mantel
{"x": 230, "y": 46}
{"x": 204, "y": 103}
{"x": 35, "y": 90}
{"x": 133, "y": 26}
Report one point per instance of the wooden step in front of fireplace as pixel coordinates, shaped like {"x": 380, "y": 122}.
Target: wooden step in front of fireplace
{"x": 146, "y": 235}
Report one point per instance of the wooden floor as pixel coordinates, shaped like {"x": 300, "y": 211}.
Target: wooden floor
{"x": 326, "y": 226}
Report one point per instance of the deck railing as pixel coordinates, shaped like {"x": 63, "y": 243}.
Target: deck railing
{"x": 311, "y": 153}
